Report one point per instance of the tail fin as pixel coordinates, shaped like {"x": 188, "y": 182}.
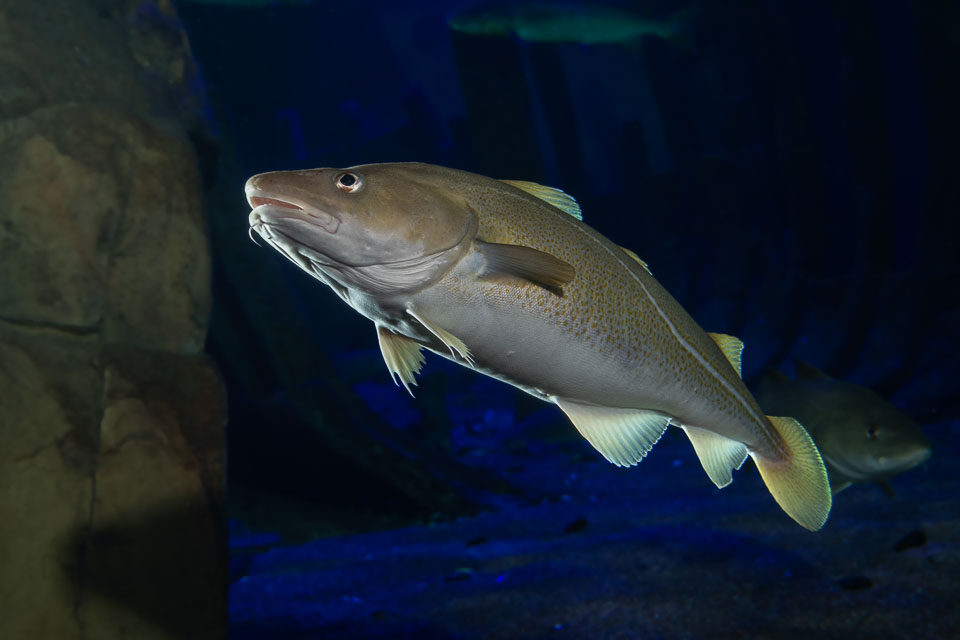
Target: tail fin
{"x": 798, "y": 483}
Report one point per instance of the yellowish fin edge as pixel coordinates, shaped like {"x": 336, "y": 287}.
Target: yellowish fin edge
{"x": 555, "y": 197}
{"x": 732, "y": 349}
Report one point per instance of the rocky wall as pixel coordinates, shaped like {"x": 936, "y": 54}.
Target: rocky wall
{"x": 111, "y": 435}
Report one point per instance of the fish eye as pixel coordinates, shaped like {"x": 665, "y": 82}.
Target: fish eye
{"x": 872, "y": 431}
{"x": 349, "y": 182}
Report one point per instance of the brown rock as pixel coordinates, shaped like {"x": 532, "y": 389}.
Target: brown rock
{"x": 103, "y": 226}
{"x": 47, "y": 455}
{"x": 111, "y": 441}
{"x": 56, "y": 208}
{"x": 155, "y": 550}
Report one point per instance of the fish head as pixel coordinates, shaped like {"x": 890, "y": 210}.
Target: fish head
{"x": 378, "y": 228}
{"x": 871, "y": 439}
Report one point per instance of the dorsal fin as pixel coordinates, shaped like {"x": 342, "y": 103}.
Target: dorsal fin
{"x": 637, "y": 258}
{"x": 731, "y": 347}
{"x": 563, "y": 201}
{"x": 773, "y": 376}
{"x": 806, "y": 371}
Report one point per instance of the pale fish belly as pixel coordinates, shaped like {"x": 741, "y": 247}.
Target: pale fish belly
{"x": 533, "y": 352}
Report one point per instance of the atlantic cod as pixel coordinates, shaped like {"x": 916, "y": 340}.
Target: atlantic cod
{"x": 861, "y": 436}
{"x": 503, "y": 277}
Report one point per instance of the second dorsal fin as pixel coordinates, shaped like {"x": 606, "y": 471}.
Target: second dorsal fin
{"x": 563, "y": 201}
{"x": 731, "y": 347}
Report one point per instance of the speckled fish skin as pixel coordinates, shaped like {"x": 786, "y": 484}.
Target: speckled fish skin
{"x": 615, "y": 338}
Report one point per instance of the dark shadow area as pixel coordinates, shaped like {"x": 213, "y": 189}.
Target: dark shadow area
{"x": 167, "y": 564}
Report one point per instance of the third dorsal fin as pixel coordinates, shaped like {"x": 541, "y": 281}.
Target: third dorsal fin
{"x": 563, "y": 201}
{"x": 731, "y": 348}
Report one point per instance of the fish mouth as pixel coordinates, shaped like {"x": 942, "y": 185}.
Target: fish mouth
{"x": 269, "y": 208}
{"x": 898, "y": 463}
{"x": 914, "y": 459}
{"x": 880, "y": 467}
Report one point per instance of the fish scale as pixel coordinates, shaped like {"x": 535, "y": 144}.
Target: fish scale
{"x": 616, "y": 319}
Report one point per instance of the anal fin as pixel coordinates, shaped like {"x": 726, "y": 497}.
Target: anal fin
{"x": 887, "y": 488}
{"x": 719, "y": 456}
{"x": 623, "y": 436}
{"x": 450, "y": 341}
{"x": 402, "y": 356}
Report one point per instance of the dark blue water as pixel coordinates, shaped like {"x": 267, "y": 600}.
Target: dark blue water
{"x": 788, "y": 172}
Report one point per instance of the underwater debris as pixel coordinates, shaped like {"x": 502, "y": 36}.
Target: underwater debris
{"x": 855, "y": 583}
{"x": 576, "y": 526}
{"x": 916, "y": 538}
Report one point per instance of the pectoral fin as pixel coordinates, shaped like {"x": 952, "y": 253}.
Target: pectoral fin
{"x": 450, "y": 341}
{"x": 623, "y": 436}
{"x": 525, "y": 263}
{"x": 563, "y": 201}
{"x": 402, "y": 356}
{"x": 732, "y": 348}
{"x": 718, "y": 455}
{"x": 888, "y": 489}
